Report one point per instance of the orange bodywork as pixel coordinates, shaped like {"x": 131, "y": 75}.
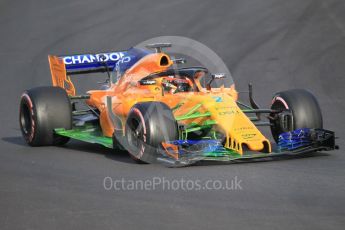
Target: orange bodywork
{"x": 229, "y": 118}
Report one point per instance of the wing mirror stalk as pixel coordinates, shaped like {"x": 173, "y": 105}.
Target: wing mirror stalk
{"x": 215, "y": 77}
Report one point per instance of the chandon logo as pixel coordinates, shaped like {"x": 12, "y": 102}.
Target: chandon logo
{"x": 90, "y": 58}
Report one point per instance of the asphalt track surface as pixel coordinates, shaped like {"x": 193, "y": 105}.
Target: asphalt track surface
{"x": 275, "y": 44}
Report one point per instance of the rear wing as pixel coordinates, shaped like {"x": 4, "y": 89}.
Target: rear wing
{"x": 62, "y": 67}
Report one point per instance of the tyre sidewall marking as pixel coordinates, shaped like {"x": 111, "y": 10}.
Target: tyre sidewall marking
{"x": 281, "y": 100}
{"x": 28, "y": 101}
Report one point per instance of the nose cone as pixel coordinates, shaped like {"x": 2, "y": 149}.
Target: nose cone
{"x": 237, "y": 127}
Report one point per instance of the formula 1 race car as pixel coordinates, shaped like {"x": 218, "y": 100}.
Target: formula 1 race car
{"x": 158, "y": 112}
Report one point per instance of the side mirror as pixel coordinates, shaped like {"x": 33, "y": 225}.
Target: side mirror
{"x": 147, "y": 82}
{"x": 218, "y": 76}
{"x": 215, "y": 76}
{"x": 179, "y": 60}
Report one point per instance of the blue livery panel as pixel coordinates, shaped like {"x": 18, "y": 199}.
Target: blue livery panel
{"x": 112, "y": 60}
{"x": 88, "y": 61}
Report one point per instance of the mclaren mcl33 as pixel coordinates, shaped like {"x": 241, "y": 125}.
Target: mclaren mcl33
{"x": 159, "y": 112}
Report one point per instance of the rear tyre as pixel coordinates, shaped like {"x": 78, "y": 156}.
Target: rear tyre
{"x": 42, "y": 110}
{"x": 299, "y": 109}
{"x": 148, "y": 125}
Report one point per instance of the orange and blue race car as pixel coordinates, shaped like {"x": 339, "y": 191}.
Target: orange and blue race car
{"x": 159, "y": 112}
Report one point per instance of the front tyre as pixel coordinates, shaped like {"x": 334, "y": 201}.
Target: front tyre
{"x": 298, "y": 109}
{"x": 148, "y": 125}
{"x": 43, "y": 109}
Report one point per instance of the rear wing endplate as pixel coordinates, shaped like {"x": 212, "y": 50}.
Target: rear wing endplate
{"x": 61, "y": 67}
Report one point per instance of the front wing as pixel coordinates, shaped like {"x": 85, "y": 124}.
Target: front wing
{"x": 186, "y": 152}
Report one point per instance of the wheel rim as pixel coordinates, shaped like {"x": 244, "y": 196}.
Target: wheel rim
{"x": 135, "y": 137}
{"x": 275, "y": 126}
{"x": 26, "y": 119}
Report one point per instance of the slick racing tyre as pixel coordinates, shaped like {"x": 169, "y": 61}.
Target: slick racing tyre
{"x": 148, "y": 125}
{"x": 299, "y": 109}
{"x": 43, "y": 109}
